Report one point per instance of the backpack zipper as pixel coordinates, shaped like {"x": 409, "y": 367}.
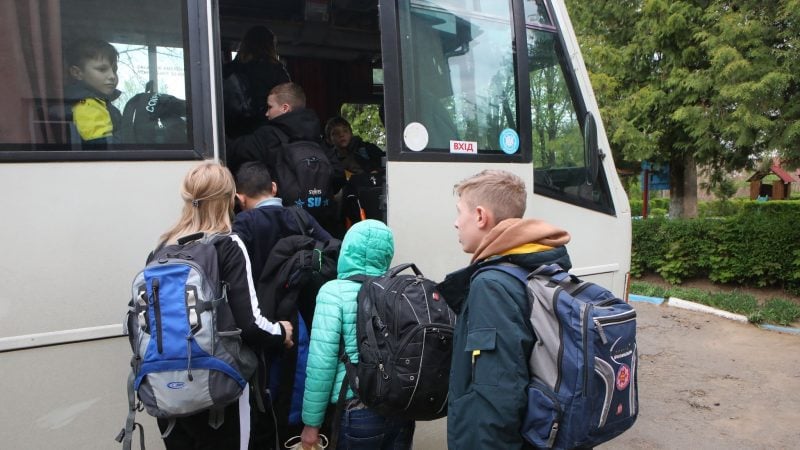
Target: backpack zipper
{"x": 616, "y": 319}
{"x": 157, "y": 312}
{"x": 585, "y": 336}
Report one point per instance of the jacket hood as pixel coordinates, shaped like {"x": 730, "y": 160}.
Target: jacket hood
{"x": 300, "y": 125}
{"x": 512, "y": 233}
{"x": 367, "y": 249}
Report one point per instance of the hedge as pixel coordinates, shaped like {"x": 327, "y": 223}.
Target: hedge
{"x": 758, "y": 246}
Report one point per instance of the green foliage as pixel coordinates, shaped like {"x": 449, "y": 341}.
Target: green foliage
{"x": 366, "y": 122}
{"x": 758, "y": 246}
{"x": 781, "y": 312}
{"x": 715, "y": 80}
{"x": 655, "y": 203}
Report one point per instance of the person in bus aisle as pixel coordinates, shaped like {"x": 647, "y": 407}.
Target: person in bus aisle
{"x": 287, "y": 114}
{"x": 355, "y": 155}
{"x": 208, "y": 192}
{"x": 261, "y": 224}
{"x": 367, "y": 249}
{"x": 486, "y": 403}
{"x": 364, "y": 171}
{"x": 248, "y": 80}
{"x": 92, "y": 67}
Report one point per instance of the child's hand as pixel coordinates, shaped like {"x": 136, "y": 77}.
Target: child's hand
{"x": 288, "y": 329}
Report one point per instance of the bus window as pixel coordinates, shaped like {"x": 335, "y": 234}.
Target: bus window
{"x": 51, "y": 105}
{"x": 559, "y": 156}
{"x": 459, "y": 76}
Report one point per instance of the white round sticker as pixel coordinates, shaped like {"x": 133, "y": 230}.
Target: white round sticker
{"x": 415, "y": 136}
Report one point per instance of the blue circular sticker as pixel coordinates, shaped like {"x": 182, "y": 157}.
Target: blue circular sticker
{"x": 509, "y": 141}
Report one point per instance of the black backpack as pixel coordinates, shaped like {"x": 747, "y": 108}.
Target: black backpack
{"x": 153, "y": 118}
{"x": 304, "y": 175}
{"x": 287, "y": 288}
{"x": 405, "y": 340}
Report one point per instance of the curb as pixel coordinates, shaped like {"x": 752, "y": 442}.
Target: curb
{"x": 691, "y": 306}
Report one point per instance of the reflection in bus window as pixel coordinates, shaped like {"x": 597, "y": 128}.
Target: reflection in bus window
{"x": 44, "y": 91}
{"x": 536, "y": 13}
{"x": 459, "y": 69}
{"x": 557, "y": 138}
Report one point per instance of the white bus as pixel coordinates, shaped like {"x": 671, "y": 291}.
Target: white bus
{"x": 465, "y": 85}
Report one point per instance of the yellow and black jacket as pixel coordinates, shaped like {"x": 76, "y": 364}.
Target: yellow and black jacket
{"x": 94, "y": 119}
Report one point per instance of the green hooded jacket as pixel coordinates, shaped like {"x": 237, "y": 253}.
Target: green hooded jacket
{"x": 367, "y": 249}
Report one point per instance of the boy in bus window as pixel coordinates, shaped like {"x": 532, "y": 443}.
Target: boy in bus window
{"x": 486, "y": 403}
{"x": 92, "y": 66}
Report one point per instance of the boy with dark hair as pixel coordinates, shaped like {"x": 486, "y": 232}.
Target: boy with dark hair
{"x": 486, "y": 402}
{"x": 264, "y": 220}
{"x": 92, "y": 65}
{"x": 262, "y": 223}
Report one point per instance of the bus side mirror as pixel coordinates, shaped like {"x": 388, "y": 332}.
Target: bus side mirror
{"x": 592, "y": 154}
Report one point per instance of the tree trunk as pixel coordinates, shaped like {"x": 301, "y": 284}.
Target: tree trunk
{"x": 683, "y": 186}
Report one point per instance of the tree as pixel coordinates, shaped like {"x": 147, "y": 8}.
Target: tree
{"x": 694, "y": 83}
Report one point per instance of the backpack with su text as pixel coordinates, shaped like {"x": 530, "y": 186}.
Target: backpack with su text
{"x": 583, "y": 385}
{"x": 188, "y": 355}
{"x": 404, "y": 330}
{"x": 153, "y": 118}
{"x": 304, "y": 175}
{"x": 297, "y": 267}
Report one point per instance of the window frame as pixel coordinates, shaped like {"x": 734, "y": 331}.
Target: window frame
{"x": 195, "y": 30}
{"x": 393, "y": 86}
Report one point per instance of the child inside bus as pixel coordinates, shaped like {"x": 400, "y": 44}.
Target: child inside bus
{"x": 486, "y": 403}
{"x": 355, "y": 155}
{"x": 248, "y": 80}
{"x": 208, "y": 192}
{"x": 362, "y": 194}
{"x": 92, "y": 66}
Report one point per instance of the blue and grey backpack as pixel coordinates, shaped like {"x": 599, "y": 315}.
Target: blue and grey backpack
{"x": 583, "y": 386}
{"x": 188, "y": 355}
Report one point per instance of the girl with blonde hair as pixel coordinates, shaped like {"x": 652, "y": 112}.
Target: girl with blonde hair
{"x": 208, "y": 191}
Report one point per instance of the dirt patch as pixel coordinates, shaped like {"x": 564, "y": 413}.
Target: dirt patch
{"x": 710, "y": 383}
{"x": 761, "y": 294}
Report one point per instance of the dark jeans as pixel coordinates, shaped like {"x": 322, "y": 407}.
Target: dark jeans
{"x": 365, "y": 429}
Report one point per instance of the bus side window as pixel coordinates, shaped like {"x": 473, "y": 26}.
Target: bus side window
{"x": 51, "y": 82}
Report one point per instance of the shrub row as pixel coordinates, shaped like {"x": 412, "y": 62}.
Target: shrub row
{"x": 715, "y": 208}
{"x": 759, "y": 246}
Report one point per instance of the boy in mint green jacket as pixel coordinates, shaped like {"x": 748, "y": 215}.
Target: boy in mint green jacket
{"x": 367, "y": 249}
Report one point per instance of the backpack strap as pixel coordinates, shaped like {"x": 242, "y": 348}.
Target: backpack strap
{"x": 300, "y": 219}
{"x": 370, "y": 330}
{"x": 125, "y": 435}
{"x": 514, "y": 270}
{"x": 350, "y": 373}
{"x": 554, "y": 272}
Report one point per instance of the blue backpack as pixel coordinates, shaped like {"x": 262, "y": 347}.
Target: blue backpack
{"x": 188, "y": 355}
{"x": 583, "y": 366}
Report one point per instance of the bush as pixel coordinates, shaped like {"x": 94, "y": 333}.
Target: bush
{"x": 758, "y": 246}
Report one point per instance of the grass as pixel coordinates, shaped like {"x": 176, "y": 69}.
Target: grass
{"x": 776, "y": 311}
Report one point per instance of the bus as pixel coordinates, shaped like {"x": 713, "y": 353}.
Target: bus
{"x": 464, "y": 86}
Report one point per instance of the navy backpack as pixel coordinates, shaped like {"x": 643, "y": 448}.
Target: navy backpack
{"x": 583, "y": 367}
